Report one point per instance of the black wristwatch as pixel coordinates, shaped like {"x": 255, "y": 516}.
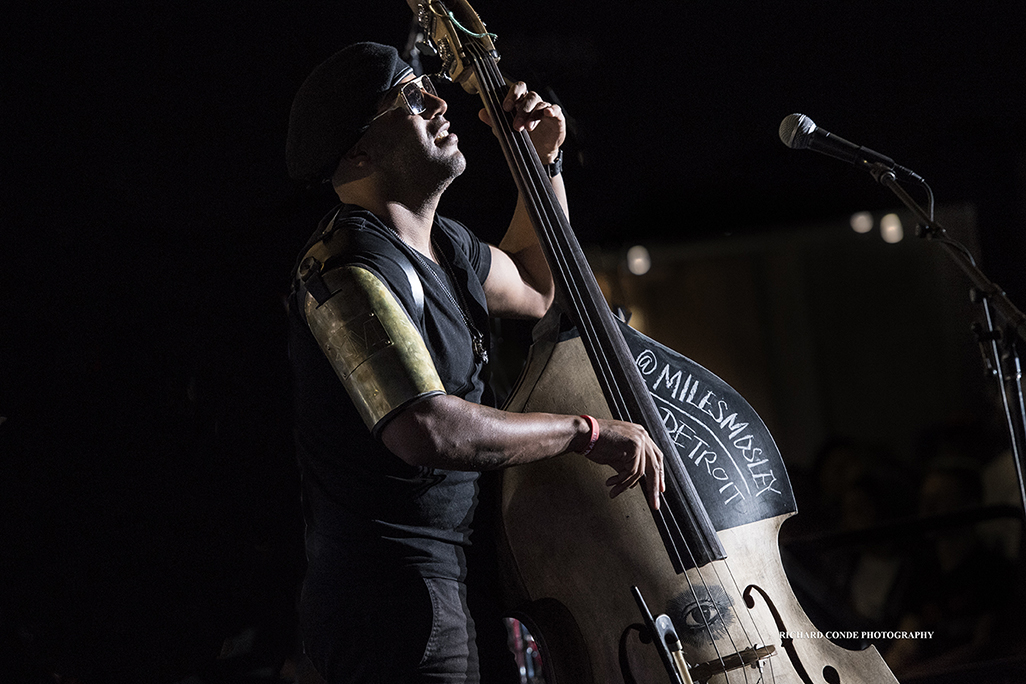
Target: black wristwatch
{"x": 556, "y": 167}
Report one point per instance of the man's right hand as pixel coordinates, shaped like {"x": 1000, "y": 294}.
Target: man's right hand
{"x": 631, "y": 452}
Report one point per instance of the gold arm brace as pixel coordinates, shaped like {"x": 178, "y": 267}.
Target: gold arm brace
{"x": 375, "y": 349}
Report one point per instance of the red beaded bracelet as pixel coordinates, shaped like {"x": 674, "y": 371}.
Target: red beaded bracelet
{"x": 593, "y": 424}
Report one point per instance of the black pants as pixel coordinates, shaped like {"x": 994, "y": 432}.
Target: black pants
{"x": 394, "y": 628}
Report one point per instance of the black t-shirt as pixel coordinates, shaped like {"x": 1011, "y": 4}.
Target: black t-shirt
{"x": 356, "y": 492}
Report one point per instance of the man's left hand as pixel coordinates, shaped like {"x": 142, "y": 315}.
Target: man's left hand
{"x": 543, "y": 121}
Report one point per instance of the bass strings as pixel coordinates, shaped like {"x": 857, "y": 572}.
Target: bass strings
{"x": 519, "y": 146}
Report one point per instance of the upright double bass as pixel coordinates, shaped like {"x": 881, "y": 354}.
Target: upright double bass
{"x": 585, "y": 572}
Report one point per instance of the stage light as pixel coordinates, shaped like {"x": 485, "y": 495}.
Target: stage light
{"x": 890, "y": 228}
{"x": 638, "y": 260}
{"x": 862, "y": 222}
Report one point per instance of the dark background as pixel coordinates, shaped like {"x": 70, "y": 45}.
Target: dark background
{"x": 148, "y": 488}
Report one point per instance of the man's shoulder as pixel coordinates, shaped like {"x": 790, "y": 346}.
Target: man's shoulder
{"x": 465, "y": 243}
{"x": 454, "y": 230}
{"x": 353, "y": 236}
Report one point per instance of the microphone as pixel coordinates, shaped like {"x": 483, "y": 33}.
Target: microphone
{"x": 798, "y": 132}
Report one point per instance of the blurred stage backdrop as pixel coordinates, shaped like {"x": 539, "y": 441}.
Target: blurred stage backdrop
{"x": 151, "y": 528}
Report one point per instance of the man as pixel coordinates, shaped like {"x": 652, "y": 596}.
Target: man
{"x": 389, "y": 347}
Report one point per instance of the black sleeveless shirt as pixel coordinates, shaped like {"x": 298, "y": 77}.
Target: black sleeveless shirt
{"x": 384, "y": 512}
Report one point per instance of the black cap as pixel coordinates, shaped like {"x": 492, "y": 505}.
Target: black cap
{"x": 335, "y": 105}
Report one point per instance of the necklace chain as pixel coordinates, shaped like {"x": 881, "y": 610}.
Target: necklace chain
{"x": 477, "y": 339}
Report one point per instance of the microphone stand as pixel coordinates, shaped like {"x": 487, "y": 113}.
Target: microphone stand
{"x": 1003, "y": 361}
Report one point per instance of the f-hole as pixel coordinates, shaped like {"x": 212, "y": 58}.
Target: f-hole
{"x": 830, "y": 674}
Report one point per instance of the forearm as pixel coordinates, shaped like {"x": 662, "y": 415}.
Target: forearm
{"x": 450, "y": 433}
{"x": 522, "y": 245}
{"x": 546, "y": 126}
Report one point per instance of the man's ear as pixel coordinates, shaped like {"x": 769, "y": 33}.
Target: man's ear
{"x": 356, "y": 155}
{"x": 354, "y": 164}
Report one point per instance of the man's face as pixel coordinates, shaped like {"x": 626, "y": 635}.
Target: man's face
{"x": 417, "y": 147}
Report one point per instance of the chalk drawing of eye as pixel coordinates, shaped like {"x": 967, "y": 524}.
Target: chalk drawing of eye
{"x": 700, "y": 613}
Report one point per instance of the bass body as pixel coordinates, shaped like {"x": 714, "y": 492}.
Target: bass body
{"x": 571, "y": 555}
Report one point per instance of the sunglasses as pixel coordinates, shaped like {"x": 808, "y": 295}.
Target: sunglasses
{"x": 411, "y": 96}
